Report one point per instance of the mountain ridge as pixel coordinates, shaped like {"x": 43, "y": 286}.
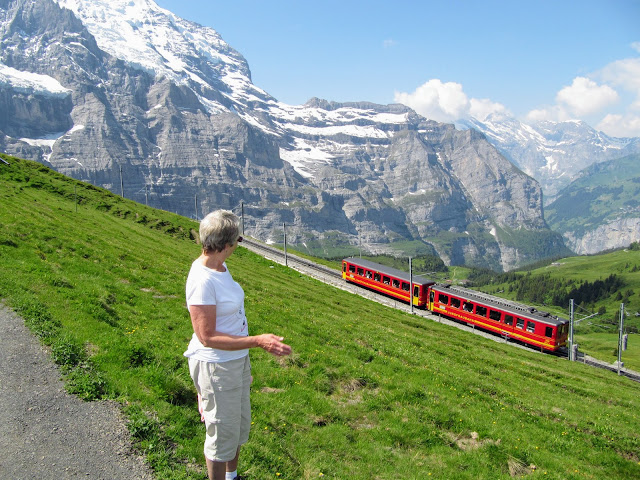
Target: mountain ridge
{"x": 201, "y": 136}
{"x": 554, "y": 153}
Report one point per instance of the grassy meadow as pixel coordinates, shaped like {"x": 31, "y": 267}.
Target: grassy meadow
{"x": 369, "y": 392}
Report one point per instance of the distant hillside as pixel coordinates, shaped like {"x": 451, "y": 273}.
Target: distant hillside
{"x": 594, "y": 281}
{"x": 600, "y": 210}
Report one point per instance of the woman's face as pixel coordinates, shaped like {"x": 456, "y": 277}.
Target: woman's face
{"x": 238, "y": 240}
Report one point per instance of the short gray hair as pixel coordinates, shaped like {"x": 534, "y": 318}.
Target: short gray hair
{"x": 219, "y": 229}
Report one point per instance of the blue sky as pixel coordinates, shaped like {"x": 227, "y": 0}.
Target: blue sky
{"x": 447, "y": 59}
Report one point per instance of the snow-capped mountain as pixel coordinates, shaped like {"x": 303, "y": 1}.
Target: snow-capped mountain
{"x": 553, "y": 153}
{"x": 126, "y": 86}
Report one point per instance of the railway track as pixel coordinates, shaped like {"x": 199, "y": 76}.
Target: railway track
{"x": 334, "y": 277}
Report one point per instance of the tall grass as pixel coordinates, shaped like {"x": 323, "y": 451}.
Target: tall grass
{"x": 369, "y": 392}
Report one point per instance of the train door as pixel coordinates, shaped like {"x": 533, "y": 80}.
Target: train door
{"x": 416, "y": 295}
{"x": 562, "y": 334}
{"x": 432, "y": 297}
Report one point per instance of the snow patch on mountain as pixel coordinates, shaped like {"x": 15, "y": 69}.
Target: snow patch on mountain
{"x": 308, "y": 114}
{"x": 31, "y": 83}
{"x": 551, "y": 152}
{"x": 305, "y": 157}
{"x": 143, "y": 34}
{"x": 155, "y": 40}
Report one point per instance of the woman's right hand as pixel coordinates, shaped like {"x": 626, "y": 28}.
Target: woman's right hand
{"x": 273, "y": 344}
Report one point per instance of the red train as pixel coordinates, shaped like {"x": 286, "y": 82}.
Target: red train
{"x": 509, "y": 319}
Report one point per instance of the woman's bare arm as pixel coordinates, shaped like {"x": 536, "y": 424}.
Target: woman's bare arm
{"x": 203, "y": 319}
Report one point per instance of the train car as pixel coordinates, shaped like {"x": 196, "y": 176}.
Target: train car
{"x": 509, "y": 319}
{"x": 389, "y": 281}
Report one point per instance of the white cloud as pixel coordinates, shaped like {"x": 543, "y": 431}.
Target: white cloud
{"x": 592, "y": 98}
{"x": 624, "y": 74}
{"x": 446, "y": 102}
{"x": 608, "y": 99}
{"x": 389, "y": 43}
{"x": 585, "y": 97}
{"x": 481, "y": 108}
{"x": 616, "y": 125}
{"x": 555, "y": 113}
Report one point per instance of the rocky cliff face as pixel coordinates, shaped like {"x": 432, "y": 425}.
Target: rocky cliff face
{"x": 613, "y": 234}
{"x": 601, "y": 209}
{"x": 182, "y": 125}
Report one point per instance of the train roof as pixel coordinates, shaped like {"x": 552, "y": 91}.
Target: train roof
{"x": 524, "y": 311}
{"x": 392, "y": 272}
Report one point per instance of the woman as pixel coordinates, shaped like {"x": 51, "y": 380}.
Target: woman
{"x": 218, "y": 351}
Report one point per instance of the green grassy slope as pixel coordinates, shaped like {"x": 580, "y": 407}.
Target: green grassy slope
{"x": 369, "y": 393}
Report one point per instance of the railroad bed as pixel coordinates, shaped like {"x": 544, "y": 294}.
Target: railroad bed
{"x": 334, "y": 278}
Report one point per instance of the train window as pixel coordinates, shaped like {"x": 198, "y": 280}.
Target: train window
{"x": 548, "y": 332}
{"x": 405, "y": 287}
{"x": 531, "y": 327}
{"x": 480, "y": 310}
{"x": 443, "y": 298}
{"x": 344, "y": 267}
{"x": 369, "y": 274}
{"x": 360, "y": 271}
{"x": 431, "y": 296}
{"x": 520, "y": 323}
{"x": 455, "y": 302}
{"x": 396, "y": 283}
{"x": 508, "y": 319}
{"x": 467, "y": 306}
{"x": 352, "y": 268}
{"x": 494, "y": 315}
{"x": 386, "y": 280}
{"x": 376, "y": 277}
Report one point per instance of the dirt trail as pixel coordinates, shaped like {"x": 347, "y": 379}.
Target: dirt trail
{"x": 45, "y": 433}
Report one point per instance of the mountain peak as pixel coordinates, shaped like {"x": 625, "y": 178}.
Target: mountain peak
{"x": 552, "y": 152}
{"x": 157, "y": 41}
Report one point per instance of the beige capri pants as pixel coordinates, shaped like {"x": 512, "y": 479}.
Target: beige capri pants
{"x": 225, "y": 406}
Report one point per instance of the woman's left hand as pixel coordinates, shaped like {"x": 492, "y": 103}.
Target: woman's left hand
{"x": 273, "y": 344}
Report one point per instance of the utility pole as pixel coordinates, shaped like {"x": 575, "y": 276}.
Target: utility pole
{"x": 146, "y": 195}
{"x": 411, "y": 285}
{"x": 195, "y": 204}
{"x": 571, "y": 354}
{"x": 573, "y": 346}
{"x": 242, "y": 215}
{"x": 620, "y": 337}
{"x": 284, "y": 230}
{"x": 121, "y": 183}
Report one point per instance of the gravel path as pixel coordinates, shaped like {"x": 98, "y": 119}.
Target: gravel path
{"x": 45, "y": 433}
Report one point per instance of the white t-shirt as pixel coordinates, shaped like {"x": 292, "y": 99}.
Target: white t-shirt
{"x": 210, "y": 287}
